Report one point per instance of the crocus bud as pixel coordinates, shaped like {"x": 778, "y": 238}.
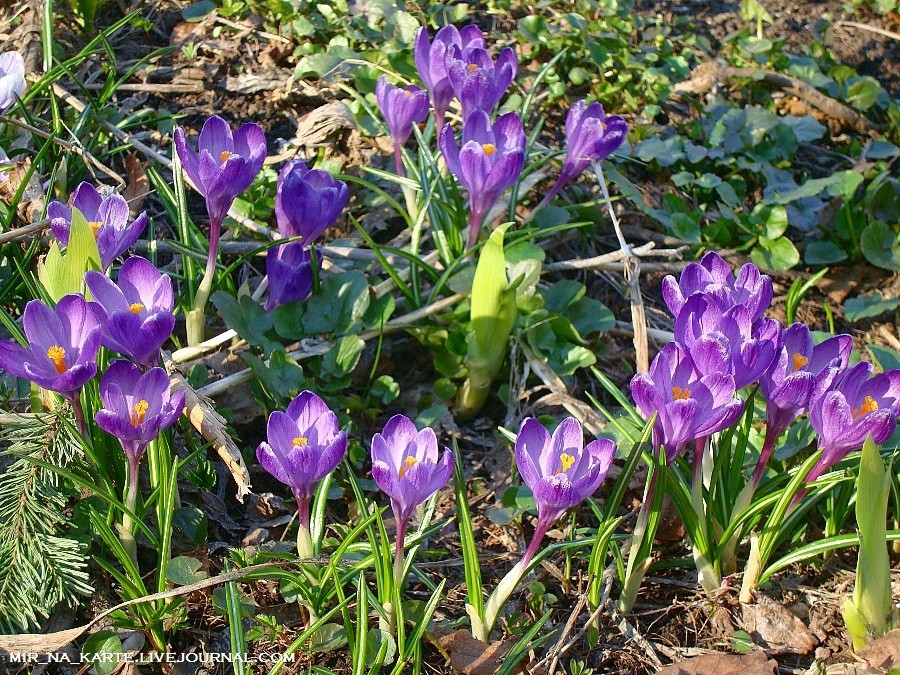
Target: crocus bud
{"x": 307, "y": 201}
{"x": 304, "y": 444}
{"x": 62, "y": 346}
{"x": 401, "y": 108}
{"x": 108, "y": 218}
{"x": 136, "y": 313}
{"x": 289, "y": 270}
{"x": 12, "y": 79}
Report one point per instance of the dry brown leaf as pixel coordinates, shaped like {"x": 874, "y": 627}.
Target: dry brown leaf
{"x": 723, "y": 664}
{"x": 469, "y": 655}
{"x": 138, "y": 186}
{"x": 884, "y": 652}
{"x": 775, "y": 629}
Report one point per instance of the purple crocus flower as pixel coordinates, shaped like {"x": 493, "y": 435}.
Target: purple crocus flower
{"x": 136, "y": 314}
{"x": 400, "y": 108}
{"x": 479, "y": 83}
{"x": 289, "y": 270}
{"x": 591, "y": 136}
{"x": 692, "y": 397}
{"x": 752, "y": 347}
{"x": 560, "y": 470}
{"x": 433, "y": 60}
{"x": 307, "y": 201}
{"x": 63, "y": 344}
{"x": 136, "y": 406}
{"x": 712, "y": 275}
{"x": 788, "y": 383}
{"x": 847, "y": 406}
{"x": 107, "y": 217}
{"x": 12, "y": 79}
{"x": 224, "y": 165}
{"x": 489, "y": 162}
{"x": 304, "y": 444}
{"x": 407, "y": 467}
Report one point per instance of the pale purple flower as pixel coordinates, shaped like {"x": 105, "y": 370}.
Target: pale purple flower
{"x": 136, "y": 313}
{"x": 289, "y": 270}
{"x": 713, "y": 276}
{"x": 559, "y": 469}
{"x": 408, "y": 467}
{"x": 62, "y": 346}
{"x": 401, "y": 108}
{"x": 691, "y": 392}
{"x": 433, "y": 60}
{"x": 478, "y": 82}
{"x": 108, "y": 218}
{"x": 489, "y": 162}
{"x": 304, "y": 444}
{"x": 136, "y": 406}
{"x": 12, "y": 79}
{"x": 307, "y": 201}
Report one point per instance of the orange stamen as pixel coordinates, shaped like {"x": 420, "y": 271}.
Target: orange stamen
{"x": 565, "y": 462}
{"x": 140, "y": 411}
{"x": 95, "y": 226}
{"x": 799, "y": 361}
{"x": 224, "y": 155}
{"x": 472, "y": 67}
{"x": 135, "y": 308}
{"x": 58, "y": 355}
{"x": 869, "y": 405}
{"x": 680, "y": 394}
{"x": 300, "y": 442}
{"x": 489, "y": 148}
{"x": 408, "y": 463}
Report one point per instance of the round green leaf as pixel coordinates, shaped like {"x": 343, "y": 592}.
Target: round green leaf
{"x": 880, "y": 244}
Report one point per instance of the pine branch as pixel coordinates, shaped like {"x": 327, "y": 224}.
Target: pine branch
{"x": 39, "y": 568}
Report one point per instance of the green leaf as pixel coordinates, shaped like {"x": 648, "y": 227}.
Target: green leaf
{"x": 287, "y": 320}
{"x": 192, "y": 522}
{"x": 197, "y": 10}
{"x": 823, "y": 253}
{"x": 866, "y": 306}
{"x": 562, "y": 294}
{"x": 339, "y": 306}
{"x": 343, "y": 357}
{"x": 184, "y": 571}
{"x": 686, "y": 228}
{"x": 880, "y": 244}
{"x": 777, "y": 254}
{"x": 282, "y": 376}
{"x": 247, "y": 318}
{"x": 61, "y": 274}
{"x": 888, "y": 359}
{"x": 590, "y": 316}
{"x": 328, "y": 638}
{"x": 385, "y": 389}
{"x": 99, "y": 644}
{"x": 379, "y": 312}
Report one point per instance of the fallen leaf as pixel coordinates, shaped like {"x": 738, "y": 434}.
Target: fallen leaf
{"x": 775, "y": 629}
{"x": 471, "y": 656}
{"x": 883, "y": 652}
{"x": 723, "y": 664}
{"x": 138, "y": 186}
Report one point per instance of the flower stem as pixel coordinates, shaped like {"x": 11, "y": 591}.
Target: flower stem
{"x": 549, "y": 196}
{"x": 78, "y": 411}
{"x": 764, "y": 456}
{"x": 475, "y": 219}
{"x": 126, "y": 533}
{"x": 196, "y": 318}
{"x": 508, "y": 584}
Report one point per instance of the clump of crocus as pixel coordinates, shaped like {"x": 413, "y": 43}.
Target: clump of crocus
{"x": 847, "y": 406}
{"x": 223, "y": 166}
{"x": 136, "y": 313}
{"x": 561, "y": 472}
{"x": 304, "y": 444}
{"x": 478, "y": 82}
{"x": 591, "y": 136}
{"x": 752, "y": 346}
{"x": 400, "y": 108}
{"x": 137, "y": 406}
{"x": 108, "y": 218}
{"x": 12, "y": 79}
{"x": 788, "y": 383}
{"x": 713, "y": 276}
{"x": 408, "y": 467}
{"x": 307, "y": 202}
{"x": 62, "y": 348}
{"x": 488, "y": 163}
{"x": 433, "y": 60}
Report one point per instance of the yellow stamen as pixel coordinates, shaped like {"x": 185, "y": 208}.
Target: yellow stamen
{"x": 680, "y": 394}
{"x": 300, "y": 442}
{"x": 565, "y": 462}
{"x": 408, "y": 463}
{"x": 489, "y": 148}
{"x": 95, "y": 226}
{"x": 58, "y": 355}
{"x": 472, "y": 67}
{"x": 799, "y": 361}
{"x": 224, "y": 155}
{"x": 140, "y": 410}
{"x": 869, "y": 405}
{"x": 408, "y": 93}
{"x": 135, "y": 308}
